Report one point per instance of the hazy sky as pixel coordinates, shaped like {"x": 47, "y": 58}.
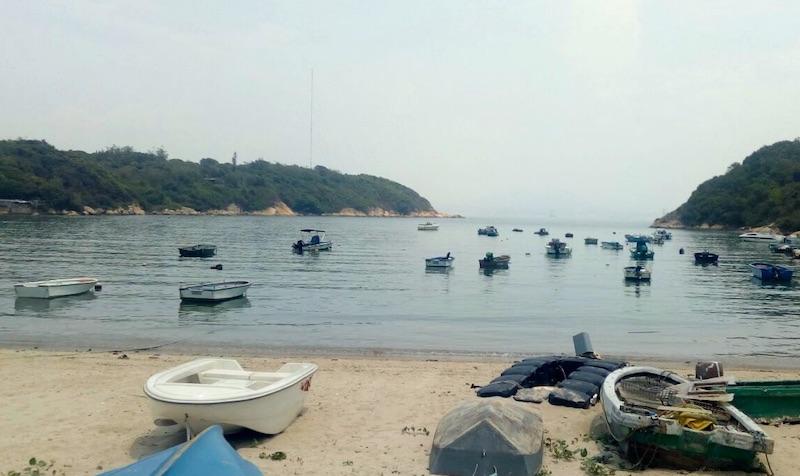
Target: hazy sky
{"x": 576, "y": 109}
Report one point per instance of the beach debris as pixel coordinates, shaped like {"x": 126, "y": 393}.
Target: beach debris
{"x": 485, "y": 435}
{"x": 410, "y": 430}
{"x": 534, "y": 395}
{"x": 123, "y": 357}
{"x": 276, "y": 456}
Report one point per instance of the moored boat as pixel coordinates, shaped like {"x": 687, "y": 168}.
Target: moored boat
{"x": 440, "y": 261}
{"x": 664, "y": 234}
{"x": 637, "y": 273}
{"x": 428, "y": 226}
{"x": 590, "y": 241}
{"x": 490, "y": 261}
{"x": 311, "y": 240}
{"x": 633, "y": 238}
{"x": 648, "y": 415}
{"x": 771, "y": 272}
{"x": 54, "y": 288}
{"x": 754, "y": 236}
{"x": 213, "y": 391}
{"x": 198, "y": 251}
{"x": 568, "y": 235}
{"x": 641, "y": 251}
{"x": 706, "y": 257}
{"x": 214, "y": 292}
{"x": 488, "y": 231}
{"x": 541, "y": 232}
{"x": 557, "y": 248}
{"x": 206, "y": 454}
{"x": 611, "y": 245}
{"x": 517, "y": 230}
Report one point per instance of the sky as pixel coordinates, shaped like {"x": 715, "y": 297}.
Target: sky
{"x": 576, "y": 110}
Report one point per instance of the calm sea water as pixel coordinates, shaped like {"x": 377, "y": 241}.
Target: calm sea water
{"x": 373, "y": 292}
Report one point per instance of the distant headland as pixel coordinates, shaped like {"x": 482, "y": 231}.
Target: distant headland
{"x": 761, "y": 192}
{"x": 35, "y": 177}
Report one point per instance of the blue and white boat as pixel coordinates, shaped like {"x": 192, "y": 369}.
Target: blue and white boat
{"x": 440, "y": 261}
{"x": 209, "y": 454}
{"x": 641, "y": 251}
{"x": 488, "y": 231}
{"x": 771, "y": 272}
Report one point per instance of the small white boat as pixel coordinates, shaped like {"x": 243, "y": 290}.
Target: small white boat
{"x": 211, "y": 391}
{"x": 440, "y": 261}
{"x": 215, "y": 291}
{"x": 428, "y": 226}
{"x": 753, "y": 236}
{"x": 54, "y": 288}
{"x": 637, "y": 273}
{"x": 311, "y": 240}
{"x": 557, "y": 247}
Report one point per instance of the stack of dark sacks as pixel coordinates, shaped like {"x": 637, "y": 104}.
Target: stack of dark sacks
{"x": 577, "y": 379}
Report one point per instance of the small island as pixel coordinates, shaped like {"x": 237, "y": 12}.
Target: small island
{"x": 761, "y": 191}
{"x": 36, "y": 176}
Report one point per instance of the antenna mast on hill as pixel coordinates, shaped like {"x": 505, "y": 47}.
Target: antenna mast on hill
{"x": 311, "y": 126}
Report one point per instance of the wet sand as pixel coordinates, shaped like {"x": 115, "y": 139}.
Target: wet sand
{"x": 87, "y": 411}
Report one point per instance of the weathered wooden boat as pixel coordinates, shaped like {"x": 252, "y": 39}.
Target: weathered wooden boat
{"x": 705, "y": 257}
{"x": 590, "y": 241}
{"x": 557, "y": 248}
{"x": 611, "y": 245}
{"x": 428, "y": 226}
{"x": 440, "y": 261}
{"x": 768, "y": 399}
{"x": 541, "y": 232}
{"x": 311, "y": 240}
{"x": 214, "y": 391}
{"x": 214, "y": 292}
{"x": 208, "y": 454}
{"x": 490, "y": 261}
{"x": 198, "y": 251}
{"x": 771, "y": 272}
{"x": 54, "y": 288}
{"x": 637, "y": 273}
{"x": 648, "y": 417}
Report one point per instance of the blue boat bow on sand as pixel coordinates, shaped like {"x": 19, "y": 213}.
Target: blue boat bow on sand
{"x": 208, "y": 454}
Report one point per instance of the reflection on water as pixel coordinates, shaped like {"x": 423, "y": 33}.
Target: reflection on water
{"x": 375, "y": 275}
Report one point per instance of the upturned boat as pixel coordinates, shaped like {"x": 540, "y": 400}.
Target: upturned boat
{"x": 311, "y": 240}
{"x": 198, "y": 251}
{"x": 208, "y": 454}
{"x": 771, "y": 272}
{"x": 214, "y": 292}
{"x": 54, "y": 288}
{"x": 440, "y": 261}
{"x": 649, "y": 416}
{"x": 213, "y": 391}
{"x": 427, "y": 226}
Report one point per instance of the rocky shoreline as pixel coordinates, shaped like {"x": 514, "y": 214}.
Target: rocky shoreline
{"x": 672, "y": 224}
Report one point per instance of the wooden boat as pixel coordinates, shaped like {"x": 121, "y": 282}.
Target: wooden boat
{"x": 768, "y": 399}
{"x": 440, "y": 261}
{"x": 557, "y": 248}
{"x": 541, "y": 232}
{"x": 753, "y": 236}
{"x": 427, "y": 226}
{"x": 214, "y": 292}
{"x": 215, "y": 391}
{"x": 198, "y": 251}
{"x": 311, "y": 240}
{"x": 705, "y": 257}
{"x": 771, "y": 272}
{"x": 54, "y": 288}
{"x": 206, "y": 454}
{"x": 490, "y": 261}
{"x": 637, "y": 273}
{"x": 647, "y": 416}
{"x": 611, "y": 245}
{"x": 590, "y": 241}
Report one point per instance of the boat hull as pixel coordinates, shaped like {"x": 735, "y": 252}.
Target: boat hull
{"x": 24, "y": 290}
{"x": 771, "y": 400}
{"x": 322, "y": 246}
{"x": 427, "y": 227}
{"x": 198, "y": 293}
{"x": 198, "y": 252}
{"x": 771, "y": 273}
{"x": 632, "y": 274}
{"x": 706, "y": 258}
{"x": 269, "y": 414}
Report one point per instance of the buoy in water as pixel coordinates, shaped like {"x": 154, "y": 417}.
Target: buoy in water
{"x": 680, "y": 251}
{"x": 98, "y": 287}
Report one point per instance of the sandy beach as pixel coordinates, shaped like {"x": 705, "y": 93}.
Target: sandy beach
{"x": 86, "y": 411}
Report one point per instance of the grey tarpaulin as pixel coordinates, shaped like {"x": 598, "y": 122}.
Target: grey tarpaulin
{"x": 487, "y": 436}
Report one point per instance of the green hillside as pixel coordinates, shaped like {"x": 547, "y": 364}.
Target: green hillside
{"x": 117, "y": 177}
{"x": 764, "y": 189}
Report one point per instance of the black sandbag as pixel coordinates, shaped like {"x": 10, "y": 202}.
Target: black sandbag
{"x": 580, "y": 386}
{"x": 587, "y": 377}
{"x": 499, "y": 389}
{"x": 518, "y": 378}
{"x": 566, "y": 397}
{"x": 520, "y": 370}
{"x": 595, "y": 370}
{"x": 609, "y": 365}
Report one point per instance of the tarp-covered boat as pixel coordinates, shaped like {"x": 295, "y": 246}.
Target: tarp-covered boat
{"x": 648, "y": 416}
{"x": 206, "y": 455}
